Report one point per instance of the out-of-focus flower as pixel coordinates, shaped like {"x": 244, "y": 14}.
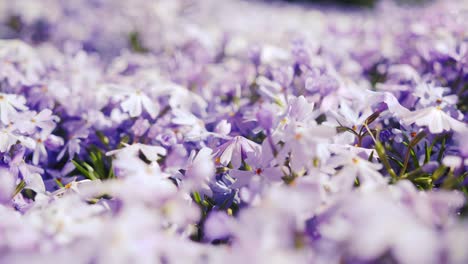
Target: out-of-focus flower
{"x": 200, "y": 168}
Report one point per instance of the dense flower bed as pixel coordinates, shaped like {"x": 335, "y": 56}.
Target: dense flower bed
{"x": 243, "y": 132}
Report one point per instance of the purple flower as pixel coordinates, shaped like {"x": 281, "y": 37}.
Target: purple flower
{"x": 235, "y": 150}
{"x": 77, "y": 133}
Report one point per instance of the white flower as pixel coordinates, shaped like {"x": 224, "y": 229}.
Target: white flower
{"x": 7, "y": 185}
{"x": 435, "y": 119}
{"x": 150, "y": 152}
{"x": 9, "y": 104}
{"x": 19, "y": 63}
{"x": 304, "y": 144}
{"x": 34, "y": 182}
{"x": 184, "y": 99}
{"x": 8, "y": 138}
{"x": 201, "y": 167}
{"x": 429, "y": 94}
{"x": 194, "y": 127}
{"x": 40, "y": 151}
{"x": 28, "y": 122}
{"x": 136, "y": 101}
{"x": 354, "y": 166}
{"x": 452, "y": 162}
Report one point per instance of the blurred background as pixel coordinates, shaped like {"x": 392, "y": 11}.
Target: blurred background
{"x": 356, "y": 3}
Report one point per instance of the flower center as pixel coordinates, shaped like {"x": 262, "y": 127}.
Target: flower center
{"x": 298, "y": 136}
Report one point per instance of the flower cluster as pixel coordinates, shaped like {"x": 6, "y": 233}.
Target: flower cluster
{"x": 198, "y": 132}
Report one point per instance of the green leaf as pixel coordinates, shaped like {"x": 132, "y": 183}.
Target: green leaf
{"x": 197, "y": 197}
{"x": 414, "y": 174}
{"x": 341, "y": 129}
{"x": 136, "y": 44}
{"x": 439, "y": 172}
{"x": 442, "y": 149}
{"x": 423, "y": 182}
{"x": 428, "y": 152}
{"x": 98, "y": 163}
{"x": 398, "y": 162}
{"x": 111, "y": 174}
{"x": 103, "y": 138}
{"x": 372, "y": 118}
{"x": 410, "y": 152}
{"x": 124, "y": 139}
{"x": 414, "y": 158}
{"x": 383, "y": 157}
{"x": 59, "y": 183}
{"x": 19, "y": 187}
{"x": 83, "y": 170}
{"x": 418, "y": 138}
{"x": 356, "y": 182}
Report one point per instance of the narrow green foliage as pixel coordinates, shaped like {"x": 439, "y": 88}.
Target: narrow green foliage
{"x": 414, "y": 174}
{"x": 450, "y": 181}
{"x": 84, "y": 171}
{"x": 245, "y": 166}
{"x": 428, "y": 152}
{"x": 383, "y": 157}
{"x": 206, "y": 205}
{"x": 97, "y": 166}
{"x": 410, "y": 150}
{"x": 414, "y": 158}
{"x": 124, "y": 140}
{"x": 397, "y": 161}
{"x": 28, "y": 193}
{"x": 103, "y": 138}
{"x": 423, "y": 182}
{"x": 442, "y": 149}
{"x": 19, "y": 187}
{"x": 341, "y": 129}
{"x": 197, "y": 197}
{"x": 59, "y": 183}
{"x": 136, "y": 44}
{"x": 439, "y": 172}
{"x": 356, "y": 182}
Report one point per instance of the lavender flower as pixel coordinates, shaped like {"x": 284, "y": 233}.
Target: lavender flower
{"x": 238, "y": 132}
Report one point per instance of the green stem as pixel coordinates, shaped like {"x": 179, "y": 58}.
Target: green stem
{"x": 381, "y": 153}
{"x": 413, "y": 143}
